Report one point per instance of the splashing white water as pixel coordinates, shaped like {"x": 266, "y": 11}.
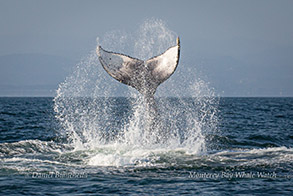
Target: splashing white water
{"x": 115, "y": 128}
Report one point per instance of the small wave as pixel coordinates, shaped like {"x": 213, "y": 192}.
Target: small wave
{"x": 35, "y": 155}
{"x": 35, "y": 160}
{"x": 30, "y": 146}
{"x": 46, "y": 156}
{"x": 257, "y": 151}
{"x": 180, "y": 157}
{"x": 126, "y": 155}
{"x": 274, "y": 157}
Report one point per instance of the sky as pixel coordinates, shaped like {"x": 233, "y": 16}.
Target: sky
{"x": 241, "y": 47}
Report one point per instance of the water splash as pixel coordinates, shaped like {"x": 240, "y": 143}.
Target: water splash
{"x": 153, "y": 38}
{"x": 93, "y": 120}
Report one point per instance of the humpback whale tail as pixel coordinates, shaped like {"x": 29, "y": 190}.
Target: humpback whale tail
{"x": 144, "y": 76}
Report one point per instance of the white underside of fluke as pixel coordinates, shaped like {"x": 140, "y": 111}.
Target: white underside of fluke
{"x": 145, "y": 76}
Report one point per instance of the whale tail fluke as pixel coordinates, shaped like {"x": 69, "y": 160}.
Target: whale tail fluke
{"x": 144, "y": 76}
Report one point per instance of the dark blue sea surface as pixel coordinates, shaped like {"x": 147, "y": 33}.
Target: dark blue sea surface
{"x": 250, "y": 152}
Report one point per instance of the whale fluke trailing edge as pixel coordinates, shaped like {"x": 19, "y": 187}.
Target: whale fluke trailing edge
{"x": 144, "y": 76}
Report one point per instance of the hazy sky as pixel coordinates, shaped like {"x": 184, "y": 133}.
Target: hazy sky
{"x": 256, "y": 33}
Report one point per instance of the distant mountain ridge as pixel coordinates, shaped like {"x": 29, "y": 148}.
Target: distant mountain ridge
{"x": 32, "y": 74}
{"x": 268, "y": 73}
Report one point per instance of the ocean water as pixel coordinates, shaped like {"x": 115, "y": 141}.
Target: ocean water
{"x": 248, "y": 152}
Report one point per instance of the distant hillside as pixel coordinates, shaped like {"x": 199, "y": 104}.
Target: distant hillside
{"x": 32, "y": 74}
{"x": 267, "y": 73}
